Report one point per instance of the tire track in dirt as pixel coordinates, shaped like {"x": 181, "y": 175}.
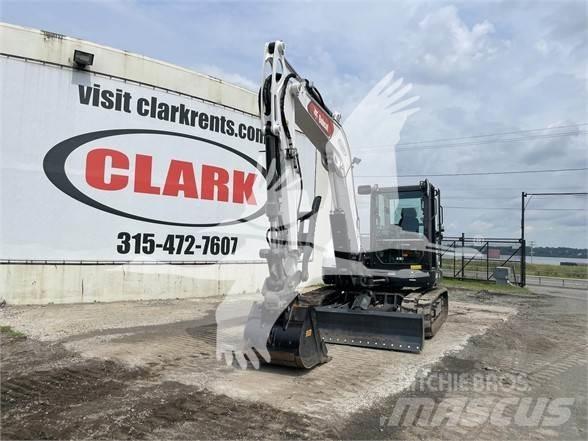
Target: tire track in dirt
{"x": 98, "y": 399}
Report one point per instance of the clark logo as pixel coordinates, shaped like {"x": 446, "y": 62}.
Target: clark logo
{"x": 159, "y": 177}
{"x": 215, "y": 182}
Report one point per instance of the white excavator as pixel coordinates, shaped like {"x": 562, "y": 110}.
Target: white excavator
{"x": 382, "y": 294}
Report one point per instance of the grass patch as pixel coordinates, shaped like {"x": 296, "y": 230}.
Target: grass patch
{"x": 565, "y": 271}
{"x": 479, "y": 285}
{"x": 533, "y": 269}
{"x": 7, "y": 330}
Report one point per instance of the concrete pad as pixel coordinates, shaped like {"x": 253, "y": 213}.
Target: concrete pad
{"x": 356, "y": 378}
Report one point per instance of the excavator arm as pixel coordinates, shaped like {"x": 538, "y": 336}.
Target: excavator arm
{"x": 288, "y": 102}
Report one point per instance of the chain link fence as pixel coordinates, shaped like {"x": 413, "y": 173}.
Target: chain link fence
{"x": 477, "y": 258}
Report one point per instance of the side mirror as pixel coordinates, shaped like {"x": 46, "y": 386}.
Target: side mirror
{"x": 364, "y": 189}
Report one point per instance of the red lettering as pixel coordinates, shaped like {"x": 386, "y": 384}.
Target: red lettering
{"x": 96, "y": 169}
{"x": 215, "y": 178}
{"x": 180, "y": 177}
{"x": 143, "y": 171}
{"x": 243, "y": 187}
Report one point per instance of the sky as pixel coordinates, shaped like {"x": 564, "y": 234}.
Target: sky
{"x": 516, "y": 69}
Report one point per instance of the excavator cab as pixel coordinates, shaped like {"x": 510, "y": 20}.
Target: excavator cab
{"x": 406, "y": 226}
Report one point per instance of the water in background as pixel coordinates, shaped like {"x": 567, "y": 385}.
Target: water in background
{"x": 555, "y": 260}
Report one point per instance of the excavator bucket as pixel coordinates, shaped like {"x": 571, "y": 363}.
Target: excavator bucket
{"x": 294, "y": 339}
{"x": 371, "y": 328}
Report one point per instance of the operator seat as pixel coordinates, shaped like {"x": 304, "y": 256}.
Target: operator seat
{"x": 408, "y": 220}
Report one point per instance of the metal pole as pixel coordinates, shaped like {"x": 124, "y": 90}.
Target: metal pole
{"x": 487, "y": 253}
{"x": 454, "y": 273}
{"x": 523, "y": 245}
{"x": 462, "y": 256}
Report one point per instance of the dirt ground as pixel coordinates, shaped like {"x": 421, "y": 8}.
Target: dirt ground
{"x": 144, "y": 370}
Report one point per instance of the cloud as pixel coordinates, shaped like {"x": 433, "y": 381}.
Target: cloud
{"x": 230, "y": 77}
{"x": 451, "y": 46}
{"x": 480, "y": 226}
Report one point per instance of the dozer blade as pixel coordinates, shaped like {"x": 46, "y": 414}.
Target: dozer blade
{"x": 294, "y": 339}
{"x": 393, "y": 331}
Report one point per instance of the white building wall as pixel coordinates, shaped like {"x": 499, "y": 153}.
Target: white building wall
{"x": 37, "y": 283}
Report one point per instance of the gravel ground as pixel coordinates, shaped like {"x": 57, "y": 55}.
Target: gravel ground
{"x": 539, "y": 356}
{"x": 139, "y": 370}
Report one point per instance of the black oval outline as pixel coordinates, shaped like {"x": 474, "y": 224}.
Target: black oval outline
{"x": 54, "y": 168}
